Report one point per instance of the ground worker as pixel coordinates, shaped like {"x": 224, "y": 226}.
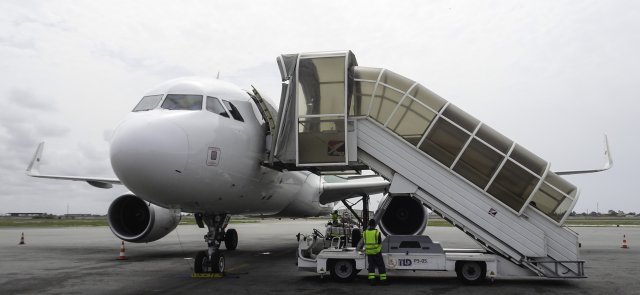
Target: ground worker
{"x": 334, "y": 217}
{"x": 372, "y": 242}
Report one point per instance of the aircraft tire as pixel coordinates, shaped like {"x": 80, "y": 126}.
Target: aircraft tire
{"x": 201, "y": 263}
{"x": 218, "y": 263}
{"x": 231, "y": 239}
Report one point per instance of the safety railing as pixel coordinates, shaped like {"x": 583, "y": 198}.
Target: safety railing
{"x": 501, "y": 168}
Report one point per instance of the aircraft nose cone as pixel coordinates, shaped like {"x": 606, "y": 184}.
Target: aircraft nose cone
{"x": 145, "y": 153}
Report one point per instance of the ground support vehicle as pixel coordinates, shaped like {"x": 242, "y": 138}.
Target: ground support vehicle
{"x": 402, "y": 253}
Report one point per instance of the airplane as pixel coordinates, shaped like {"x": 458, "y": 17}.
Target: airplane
{"x": 197, "y": 145}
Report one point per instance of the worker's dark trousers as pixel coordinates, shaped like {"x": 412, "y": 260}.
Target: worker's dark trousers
{"x": 376, "y": 261}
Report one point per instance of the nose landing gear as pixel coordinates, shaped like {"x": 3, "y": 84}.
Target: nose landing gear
{"x": 212, "y": 260}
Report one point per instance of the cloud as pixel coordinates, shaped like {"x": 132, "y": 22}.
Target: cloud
{"x": 552, "y": 76}
{"x": 28, "y": 100}
{"x": 17, "y": 43}
{"x": 27, "y": 118}
{"x": 145, "y": 63}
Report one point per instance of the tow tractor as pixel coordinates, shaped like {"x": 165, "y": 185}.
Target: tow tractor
{"x": 400, "y": 253}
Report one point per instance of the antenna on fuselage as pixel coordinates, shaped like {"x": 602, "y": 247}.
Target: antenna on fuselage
{"x": 218, "y": 76}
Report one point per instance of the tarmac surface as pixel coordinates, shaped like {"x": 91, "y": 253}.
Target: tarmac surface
{"x": 83, "y": 260}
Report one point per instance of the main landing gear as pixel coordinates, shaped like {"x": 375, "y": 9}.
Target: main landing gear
{"x": 212, "y": 260}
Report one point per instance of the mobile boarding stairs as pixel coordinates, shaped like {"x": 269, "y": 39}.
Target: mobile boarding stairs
{"x": 335, "y": 115}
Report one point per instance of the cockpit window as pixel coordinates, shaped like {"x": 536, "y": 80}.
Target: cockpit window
{"x": 182, "y": 102}
{"x": 233, "y": 110}
{"x": 148, "y": 103}
{"x": 214, "y": 106}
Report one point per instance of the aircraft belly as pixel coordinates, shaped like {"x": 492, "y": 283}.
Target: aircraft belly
{"x": 248, "y": 197}
{"x": 285, "y": 194}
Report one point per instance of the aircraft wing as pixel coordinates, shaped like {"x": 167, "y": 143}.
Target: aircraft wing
{"x": 340, "y": 188}
{"x": 34, "y": 171}
{"x": 607, "y": 165}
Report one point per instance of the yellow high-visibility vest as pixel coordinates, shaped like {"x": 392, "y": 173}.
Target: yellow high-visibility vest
{"x": 371, "y": 245}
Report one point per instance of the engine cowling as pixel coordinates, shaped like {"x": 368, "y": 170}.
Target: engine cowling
{"x": 135, "y": 220}
{"x": 403, "y": 215}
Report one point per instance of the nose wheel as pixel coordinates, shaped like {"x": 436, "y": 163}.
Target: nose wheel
{"x": 204, "y": 264}
{"x": 212, "y": 260}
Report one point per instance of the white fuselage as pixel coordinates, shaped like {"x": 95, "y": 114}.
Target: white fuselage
{"x": 197, "y": 160}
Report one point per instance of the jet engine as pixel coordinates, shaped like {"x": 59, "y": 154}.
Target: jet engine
{"x": 135, "y": 220}
{"x": 402, "y": 215}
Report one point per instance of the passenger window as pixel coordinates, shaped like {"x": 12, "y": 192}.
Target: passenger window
{"x": 233, "y": 110}
{"x": 148, "y": 103}
{"x": 214, "y": 106}
{"x": 182, "y": 102}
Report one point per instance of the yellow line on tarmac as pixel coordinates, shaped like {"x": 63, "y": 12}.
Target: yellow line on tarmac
{"x": 238, "y": 267}
{"x": 217, "y": 275}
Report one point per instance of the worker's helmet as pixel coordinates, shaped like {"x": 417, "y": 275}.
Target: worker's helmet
{"x": 372, "y": 222}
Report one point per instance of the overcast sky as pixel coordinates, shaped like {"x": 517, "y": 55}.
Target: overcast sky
{"x": 552, "y": 75}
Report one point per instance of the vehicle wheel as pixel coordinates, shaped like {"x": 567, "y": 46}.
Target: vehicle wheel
{"x": 356, "y": 235}
{"x": 217, "y": 263}
{"x": 231, "y": 239}
{"x": 201, "y": 263}
{"x": 471, "y": 272}
{"x": 343, "y": 270}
